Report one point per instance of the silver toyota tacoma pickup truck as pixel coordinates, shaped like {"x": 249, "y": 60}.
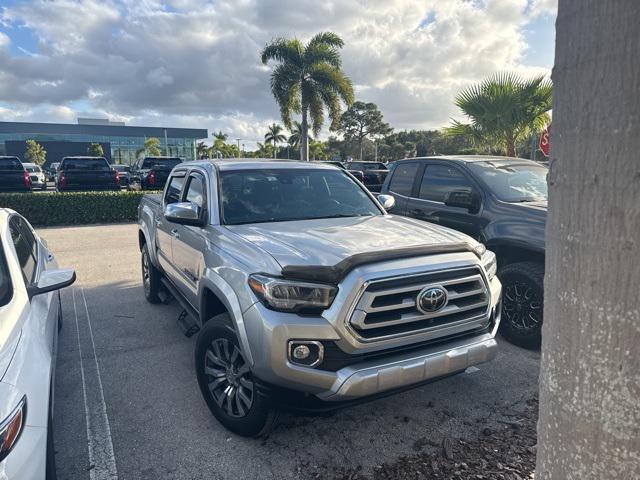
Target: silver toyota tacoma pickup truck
{"x": 307, "y": 294}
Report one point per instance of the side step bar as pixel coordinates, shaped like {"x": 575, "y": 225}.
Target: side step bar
{"x": 187, "y": 318}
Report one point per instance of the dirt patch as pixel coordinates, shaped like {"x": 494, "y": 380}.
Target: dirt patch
{"x": 506, "y": 451}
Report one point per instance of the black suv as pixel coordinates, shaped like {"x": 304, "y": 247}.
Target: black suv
{"x": 501, "y": 202}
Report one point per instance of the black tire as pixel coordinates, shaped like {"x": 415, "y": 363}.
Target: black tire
{"x": 150, "y": 277}
{"x": 522, "y": 303}
{"x": 241, "y": 409}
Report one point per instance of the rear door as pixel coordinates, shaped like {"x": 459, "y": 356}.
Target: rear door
{"x": 401, "y": 185}
{"x": 427, "y": 201}
{"x": 190, "y": 243}
{"x": 166, "y": 230}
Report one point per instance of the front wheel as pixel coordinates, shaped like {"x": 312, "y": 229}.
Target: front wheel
{"x": 522, "y": 303}
{"x": 226, "y": 381}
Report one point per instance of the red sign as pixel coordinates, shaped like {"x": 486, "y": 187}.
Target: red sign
{"x": 545, "y": 141}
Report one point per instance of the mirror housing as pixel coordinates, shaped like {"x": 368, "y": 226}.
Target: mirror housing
{"x": 462, "y": 199}
{"x": 52, "y": 280}
{"x": 184, "y": 213}
{"x": 387, "y": 201}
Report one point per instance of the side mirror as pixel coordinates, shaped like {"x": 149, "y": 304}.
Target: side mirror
{"x": 461, "y": 199}
{"x": 387, "y": 201}
{"x": 51, "y": 280}
{"x": 184, "y": 213}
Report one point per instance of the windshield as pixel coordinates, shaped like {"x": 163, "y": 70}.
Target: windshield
{"x": 160, "y": 162}
{"x": 122, "y": 168}
{"x": 85, "y": 164}
{"x": 31, "y": 169}
{"x": 256, "y": 196}
{"x": 367, "y": 166}
{"x": 11, "y": 163}
{"x": 513, "y": 182}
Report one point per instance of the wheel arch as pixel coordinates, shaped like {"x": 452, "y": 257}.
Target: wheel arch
{"x": 509, "y": 252}
{"x": 216, "y": 296}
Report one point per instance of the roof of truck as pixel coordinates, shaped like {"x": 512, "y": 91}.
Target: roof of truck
{"x": 256, "y": 164}
{"x": 471, "y": 158}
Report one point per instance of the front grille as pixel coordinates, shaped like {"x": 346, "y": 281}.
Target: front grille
{"x": 388, "y": 307}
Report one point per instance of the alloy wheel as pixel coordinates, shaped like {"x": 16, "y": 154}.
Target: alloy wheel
{"x": 522, "y": 306}
{"x": 146, "y": 279}
{"x": 228, "y": 378}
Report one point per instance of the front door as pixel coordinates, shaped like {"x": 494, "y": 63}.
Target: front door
{"x": 189, "y": 244}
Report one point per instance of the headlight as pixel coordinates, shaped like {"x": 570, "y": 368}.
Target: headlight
{"x": 490, "y": 264}
{"x": 292, "y": 296}
{"x": 11, "y": 428}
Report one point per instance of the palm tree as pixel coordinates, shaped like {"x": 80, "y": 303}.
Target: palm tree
{"x": 274, "y": 135}
{"x": 202, "y": 150}
{"x": 220, "y": 136}
{"x": 307, "y": 79}
{"x": 296, "y": 135}
{"x": 504, "y": 109}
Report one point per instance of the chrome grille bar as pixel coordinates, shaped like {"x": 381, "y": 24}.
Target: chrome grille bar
{"x": 389, "y": 306}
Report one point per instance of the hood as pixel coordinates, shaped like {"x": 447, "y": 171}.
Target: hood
{"x": 327, "y": 242}
{"x": 539, "y": 205}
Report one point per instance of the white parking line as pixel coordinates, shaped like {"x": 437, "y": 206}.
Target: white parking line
{"x": 101, "y": 457}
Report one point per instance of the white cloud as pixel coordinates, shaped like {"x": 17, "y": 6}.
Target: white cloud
{"x": 195, "y": 63}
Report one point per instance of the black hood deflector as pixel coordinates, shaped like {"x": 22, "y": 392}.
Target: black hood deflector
{"x": 335, "y": 273}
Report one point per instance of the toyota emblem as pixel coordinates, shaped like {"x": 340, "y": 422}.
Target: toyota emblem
{"x": 432, "y": 299}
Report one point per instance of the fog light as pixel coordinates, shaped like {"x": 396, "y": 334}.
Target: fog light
{"x": 301, "y": 352}
{"x": 308, "y": 353}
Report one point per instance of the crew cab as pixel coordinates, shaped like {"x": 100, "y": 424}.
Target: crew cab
{"x": 86, "y": 173}
{"x": 374, "y": 173}
{"x": 151, "y": 173}
{"x": 307, "y": 294}
{"x": 13, "y": 176}
{"x": 499, "y": 201}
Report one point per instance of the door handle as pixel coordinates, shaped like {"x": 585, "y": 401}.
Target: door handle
{"x": 158, "y": 222}
{"x": 175, "y": 233}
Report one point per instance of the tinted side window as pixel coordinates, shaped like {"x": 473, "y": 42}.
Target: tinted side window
{"x": 438, "y": 180}
{"x": 26, "y": 247}
{"x": 6, "y": 290}
{"x": 195, "y": 190}
{"x": 174, "y": 189}
{"x": 403, "y": 177}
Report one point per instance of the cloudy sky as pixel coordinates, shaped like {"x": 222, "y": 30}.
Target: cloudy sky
{"x": 195, "y": 63}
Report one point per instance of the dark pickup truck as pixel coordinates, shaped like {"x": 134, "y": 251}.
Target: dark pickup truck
{"x": 86, "y": 173}
{"x": 13, "y": 176}
{"x": 374, "y": 173}
{"x": 499, "y": 201}
{"x": 151, "y": 173}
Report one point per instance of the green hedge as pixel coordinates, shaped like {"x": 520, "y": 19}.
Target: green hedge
{"x": 74, "y": 208}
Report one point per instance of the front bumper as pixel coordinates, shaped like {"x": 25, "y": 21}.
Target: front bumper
{"x": 369, "y": 378}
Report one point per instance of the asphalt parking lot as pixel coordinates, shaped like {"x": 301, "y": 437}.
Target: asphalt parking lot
{"x": 127, "y": 403}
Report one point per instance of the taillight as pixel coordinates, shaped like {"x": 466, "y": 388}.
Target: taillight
{"x": 26, "y": 179}
{"x": 117, "y": 178}
{"x": 151, "y": 178}
{"x": 62, "y": 180}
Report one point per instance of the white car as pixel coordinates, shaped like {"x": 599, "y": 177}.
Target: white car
{"x": 29, "y": 321}
{"x": 37, "y": 176}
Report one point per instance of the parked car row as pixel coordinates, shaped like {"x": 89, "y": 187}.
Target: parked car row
{"x": 84, "y": 173}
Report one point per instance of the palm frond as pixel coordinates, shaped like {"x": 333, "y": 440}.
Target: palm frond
{"x": 283, "y": 50}
{"x": 326, "y": 38}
